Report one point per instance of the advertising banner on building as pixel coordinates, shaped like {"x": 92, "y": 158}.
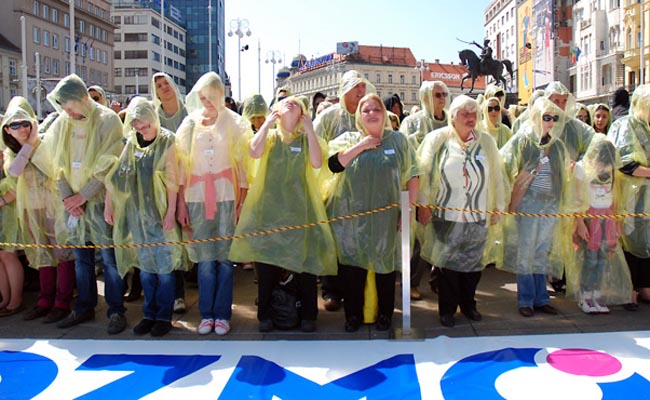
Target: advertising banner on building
{"x": 347, "y": 47}
{"x": 542, "y": 28}
{"x": 525, "y": 49}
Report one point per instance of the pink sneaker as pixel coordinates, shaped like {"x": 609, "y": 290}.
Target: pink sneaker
{"x": 206, "y": 326}
{"x": 221, "y": 327}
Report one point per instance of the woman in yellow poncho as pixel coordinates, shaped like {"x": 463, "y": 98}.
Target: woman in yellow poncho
{"x": 460, "y": 167}
{"x": 141, "y": 204}
{"x": 40, "y": 216}
{"x": 212, "y": 146}
{"x": 598, "y": 274}
{"x": 602, "y": 117}
{"x": 491, "y": 122}
{"x": 538, "y": 167}
{"x": 285, "y": 192}
{"x": 371, "y": 167}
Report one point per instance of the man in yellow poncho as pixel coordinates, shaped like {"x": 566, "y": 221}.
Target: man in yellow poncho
{"x": 77, "y": 151}
{"x": 212, "y": 145}
{"x": 329, "y": 124}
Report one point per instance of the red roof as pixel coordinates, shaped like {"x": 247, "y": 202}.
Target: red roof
{"x": 451, "y": 75}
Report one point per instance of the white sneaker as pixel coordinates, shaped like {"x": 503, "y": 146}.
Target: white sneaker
{"x": 206, "y": 326}
{"x": 602, "y": 308}
{"x": 588, "y": 306}
{"x": 179, "y": 306}
{"x": 221, "y": 327}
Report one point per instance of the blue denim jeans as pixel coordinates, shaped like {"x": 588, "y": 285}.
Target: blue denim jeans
{"x": 215, "y": 289}
{"x": 531, "y": 290}
{"x": 87, "y": 282}
{"x": 158, "y": 296}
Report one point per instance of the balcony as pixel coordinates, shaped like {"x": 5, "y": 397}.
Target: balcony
{"x": 631, "y": 57}
{"x": 585, "y": 23}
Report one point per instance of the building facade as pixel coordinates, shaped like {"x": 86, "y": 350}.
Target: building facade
{"x": 596, "y": 68}
{"x": 144, "y": 45}
{"x": 48, "y": 33}
{"x": 10, "y": 58}
{"x": 635, "y": 42}
{"x": 501, "y": 30}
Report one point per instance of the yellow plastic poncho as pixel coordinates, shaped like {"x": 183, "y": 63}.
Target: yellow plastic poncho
{"x": 579, "y": 107}
{"x": 336, "y": 120}
{"x": 102, "y": 92}
{"x": 170, "y": 122}
{"x": 447, "y": 244}
{"x": 499, "y": 132}
{"x": 212, "y": 169}
{"x": 598, "y": 268}
{"x": 138, "y": 185}
{"x": 631, "y": 136}
{"x": 416, "y": 126}
{"x": 597, "y": 107}
{"x": 254, "y": 106}
{"x": 39, "y": 209}
{"x": 374, "y": 179}
{"x": 286, "y": 192}
{"x": 538, "y": 245}
{"x": 523, "y": 117}
{"x": 78, "y": 154}
{"x": 576, "y": 134}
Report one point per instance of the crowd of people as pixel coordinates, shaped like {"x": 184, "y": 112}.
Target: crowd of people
{"x": 160, "y": 186}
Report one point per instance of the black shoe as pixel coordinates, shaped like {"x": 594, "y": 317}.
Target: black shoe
{"x": 526, "y": 311}
{"x": 75, "y": 319}
{"x": 143, "y": 327}
{"x": 447, "y": 320}
{"x": 473, "y": 314}
{"x": 631, "y": 307}
{"x": 308, "y": 325}
{"x": 132, "y": 296}
{"x": 161, "y": 328}
{"x": 36, "y": 312}
{"x": 116, "y": 324}
{"x": 547, "y": 309}
{"x": 55, "y": 315}
{"x": 265, "y": 326}
{"x": 383, "y": 323}
{"x": 352, "y": 325}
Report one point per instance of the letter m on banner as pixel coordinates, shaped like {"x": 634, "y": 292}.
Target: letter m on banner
{"x": 257, "y": 378}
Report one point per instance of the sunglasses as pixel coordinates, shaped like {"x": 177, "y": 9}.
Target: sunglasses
{"x": 549, "y": 118}
{"x": 96, "y": 98}
{"x": 439, "y": 95}
{"x": 18, "y": 124}
{"x": 494, "y": 108}
{"x": 499, "y": 94}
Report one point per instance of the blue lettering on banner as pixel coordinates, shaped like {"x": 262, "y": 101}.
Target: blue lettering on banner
{"x": 257, "y": 378}
{"x": 317, "y": 61}
{"x": 24, "y": 375}
{"x": 150, "y": 372}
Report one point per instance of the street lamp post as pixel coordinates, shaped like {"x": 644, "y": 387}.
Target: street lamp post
{"x": 273, "y": 57}
{"x": 422, "y": 66}
{"x": 239, "y": 27}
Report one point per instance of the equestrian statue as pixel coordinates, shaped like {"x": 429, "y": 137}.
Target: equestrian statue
{"x": 486, "y": 65}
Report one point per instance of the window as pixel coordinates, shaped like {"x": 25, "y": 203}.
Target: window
{"x": 180, "y": 37}
{"x": 414, "y": 80}
{"x": 83, "y": 50}
{"x": 155, "y": 56}
{"x": 390, "y": 78}
{"x": 129, "y": 89}
{"x": 117, "y": 37}
{"x": 135, "y": 37}
{"x": 89, "y": 7}
{"x": 91, "y": 30}
{"x": 606, "y": 75}
{"x": 155, "y": 22}
{"x": 91, "y": 53}
{"x": 67, "y": 68}
{"x": 36, "y": 9}
{"x": 105, "y": 57}
{"x": 84, "y": 73}
{"x": 378, "y": 78}
{"x": 46, "y": 12}
{"x": 117, "y": 72}
{"x": 401, "y": 79}
{"x": 128, "y": 72}
{"x": 135, "y": 54}
{"x": 46, "y": 65}
{"x": 104, "y": 36}
{"x": 117, "y": 19}
{"x": 401, "y": 95}
{"x": 414, "y": 96}
{"x": 13, "y": 71}
{"x": 55, "y": 67}
{"x": 82, "y": 26}
{"x": 55, "y": 15}
{"x": 37, "y": 34}
{"x": 46, "y": 38}
{"x": 103, "y": 12}
{"x": 117, "y": 55}
{"x": 67, "y": 44}
{"x": 155, "y": 39}
{"x": 66, "y": 20}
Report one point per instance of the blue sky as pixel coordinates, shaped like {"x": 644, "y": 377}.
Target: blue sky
{"x": 428, "y": 27}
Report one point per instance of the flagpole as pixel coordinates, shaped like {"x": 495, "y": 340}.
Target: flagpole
{"x": 73, "y": 42}
{"x": 162, "y": 40}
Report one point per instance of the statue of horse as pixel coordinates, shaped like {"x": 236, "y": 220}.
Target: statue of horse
{"x": 475, "y": 68}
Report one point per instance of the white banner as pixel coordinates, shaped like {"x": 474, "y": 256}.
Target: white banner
{"x": 577, "y": 366}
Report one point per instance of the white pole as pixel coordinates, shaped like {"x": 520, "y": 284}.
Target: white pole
{"x": 239, "y": 67}
{"x": 406, "y": 263}
{"x": 38, "y": 85}
{"x": 259, "y": 67}
{"x": 73, "y": 56}
{"x": 210, "y": 35}
{"x": 24, "y": 49}
{"x": 162, "y": 17}
{"x": 137, "y": 83}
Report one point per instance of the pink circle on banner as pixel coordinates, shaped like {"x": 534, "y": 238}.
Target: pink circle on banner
{"x": 584, "y": 362}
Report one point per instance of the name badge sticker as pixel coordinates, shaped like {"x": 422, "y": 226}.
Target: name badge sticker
{"x": 138, "y": 154}
{"x": 295, "y": 149}
{"x": 76, "y": 164}
{"x": 208, "y": 152}
{"x": 544, "y": 160}
{"x": 389, "y": 152}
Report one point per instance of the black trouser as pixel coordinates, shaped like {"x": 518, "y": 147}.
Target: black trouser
{"x": 639, "y": 270}
{"x": 418, "y": 266}
{"x": 331, "y": 287}
{"x": 457, "y": 289}
{"x": 179, "y": 286}
{"x": 354, "y": 283}
{"x": 268, "y": 278}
